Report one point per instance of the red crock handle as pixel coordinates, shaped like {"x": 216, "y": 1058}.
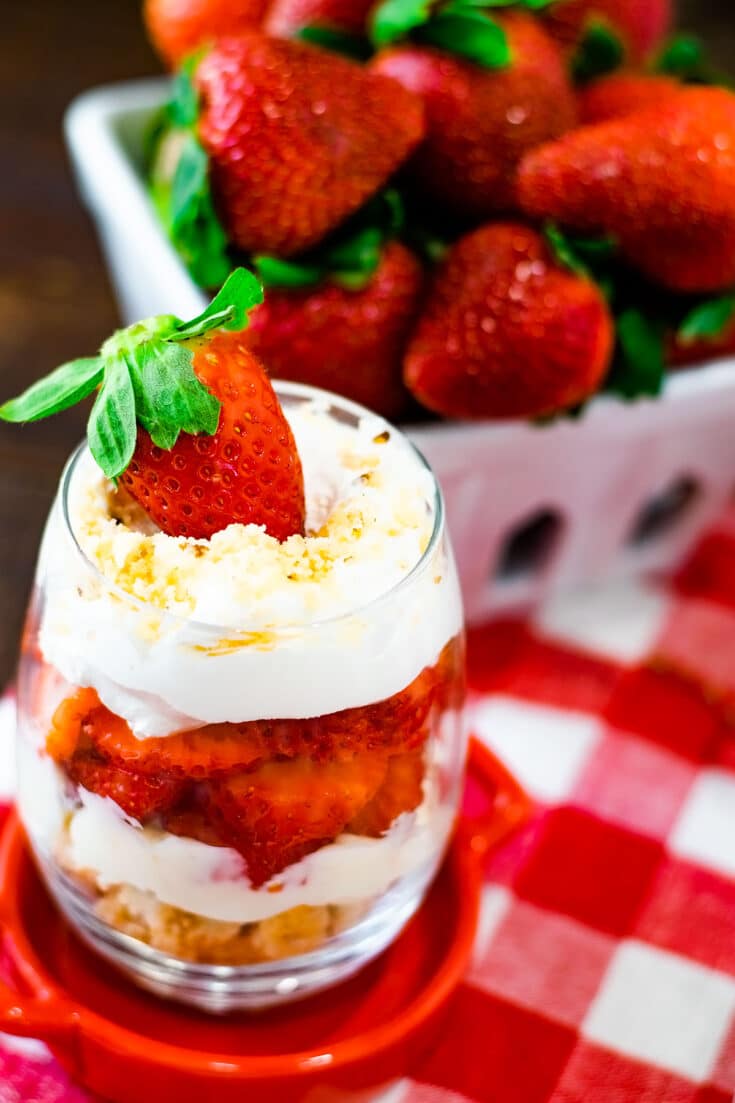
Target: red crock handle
{"x": 49, "y": 1020}
{"x": 509, "y": 805}
{"x": 46, "y": 1015}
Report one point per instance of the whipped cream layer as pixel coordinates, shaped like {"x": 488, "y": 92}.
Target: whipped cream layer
{"x": 97, "y": 839}
{"x": 309, "y": 626}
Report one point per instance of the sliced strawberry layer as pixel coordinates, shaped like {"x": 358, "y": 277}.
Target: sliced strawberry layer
{"x": 397, "y": 724}
{"x": 401, "y": 791}
{"x": 279, "y": 813}
{"x": 274, "y": 790}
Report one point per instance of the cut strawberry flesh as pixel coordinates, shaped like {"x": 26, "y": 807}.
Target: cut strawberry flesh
{"x": 139, "y": 796}
{"x": 401, "y": 791}
{"x": 276, "y": 815}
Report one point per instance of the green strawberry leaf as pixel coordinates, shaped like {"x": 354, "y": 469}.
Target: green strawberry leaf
{"x": 684, "y": 56}
{"x": 385, "y": 211}
{"x": 358, "y": 255}
{"x": 394, "y": 19}
{"x": 194, "y": 226}
{"x": 588, "y": 257}
{"x": 563, "y": 251}
{"x": 639, "y": 367}
{"x": 169, "y": 398}
{"x": 182, "y": 194}
{"x": 680, "y": 56}
{"x": 146, "y": 377}
{"x": 63, "y": 388}
{"x": 708, "y": 320}
{"x": 338, "y": 42}
{"x": 469, "y": 33}
{"x": 111, "y": 430}
{"x": 183, "y": 107}
{"x": 601, "y": 51}
{"x": 275, "y": 272}
{"x": 349, "y": 257}
{"x": 229, "y": 309}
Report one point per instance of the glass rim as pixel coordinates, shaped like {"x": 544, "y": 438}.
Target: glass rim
{"x": 286, "y": 389}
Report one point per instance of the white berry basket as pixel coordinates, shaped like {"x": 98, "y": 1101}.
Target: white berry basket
{"x": 533, "y": 510}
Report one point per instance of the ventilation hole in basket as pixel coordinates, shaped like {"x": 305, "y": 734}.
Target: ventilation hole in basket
{"x": 668, "y": 509}
{"x": 527, "y": 549}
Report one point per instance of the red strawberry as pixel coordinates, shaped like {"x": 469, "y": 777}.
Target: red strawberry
{"x": 247, "y": 472}
{"x": 285, "y": 17}
{"x": 283, "y": 811}
{"x": 179, "y": 27}
{"x": 660, "y": 181}
{"x": 138, "y": 796}
{"x": 624, "y": 94}
{"x": 298, "y": 138}
{"x": 506, "y": 332}
{"x": 351, "y": 342}
{"x": 481, "y": 121}
{"x": 639, "y": 24}
{"x": 187, "y": 418}
{"x": 401, "y": 791}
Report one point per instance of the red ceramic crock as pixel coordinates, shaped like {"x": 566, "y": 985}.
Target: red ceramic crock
{"x": 345, "y": 1044}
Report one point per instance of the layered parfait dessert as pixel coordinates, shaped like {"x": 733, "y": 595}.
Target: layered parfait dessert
{"x": 242, "y": 682}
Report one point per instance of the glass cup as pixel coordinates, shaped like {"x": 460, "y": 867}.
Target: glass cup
{"x": 238, "y": 817}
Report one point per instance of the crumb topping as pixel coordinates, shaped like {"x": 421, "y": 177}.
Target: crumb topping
{"x": 369, "y": 520}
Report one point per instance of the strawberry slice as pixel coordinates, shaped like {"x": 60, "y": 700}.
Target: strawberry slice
{"x": 402, "y": 791}
{"x": 139, "y": 796}
{"x": 187, "y": 419}
{"x": 276, "y": 815}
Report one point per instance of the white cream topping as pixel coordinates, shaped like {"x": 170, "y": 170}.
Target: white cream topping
{"x": 370, "y": 515}
{"x": 98, "y": 839}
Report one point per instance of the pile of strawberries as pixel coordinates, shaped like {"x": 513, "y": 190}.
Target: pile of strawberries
{"x": 472, "y": 212}
{"x": 275, "y": 790}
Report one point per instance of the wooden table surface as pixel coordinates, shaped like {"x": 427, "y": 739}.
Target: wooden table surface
{"x": 55, "y": 300}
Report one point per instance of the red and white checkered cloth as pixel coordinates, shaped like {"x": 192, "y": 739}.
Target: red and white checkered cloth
{"x": 604, "y": 967}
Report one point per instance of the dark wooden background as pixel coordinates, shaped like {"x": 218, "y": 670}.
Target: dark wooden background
{"x": 55, "y": 300}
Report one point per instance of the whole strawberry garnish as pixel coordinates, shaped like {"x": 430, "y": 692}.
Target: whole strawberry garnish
{"x": 506, "y": 332}
{"x": 344, "y": 339}
{"x": 625, "y": 93}
{"x": 638, "y": 26}
{"x": 292, "y": 138}
{"x": 179, "y": 27}
{"x": 660, "y": 181}
{"x": 186, "y": 418}
{"x": 482, "y": 116}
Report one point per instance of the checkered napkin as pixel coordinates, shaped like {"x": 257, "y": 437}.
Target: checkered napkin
{"x": 604, "y": 966}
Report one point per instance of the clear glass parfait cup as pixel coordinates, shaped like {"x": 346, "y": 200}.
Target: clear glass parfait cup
{"x": 237, "y": 817}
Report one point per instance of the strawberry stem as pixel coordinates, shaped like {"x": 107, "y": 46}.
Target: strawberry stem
{"x": 145, "y": 375}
